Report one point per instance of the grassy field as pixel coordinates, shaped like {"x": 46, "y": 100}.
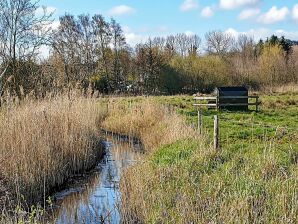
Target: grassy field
{"x": 276, "y": 122}
{"x": 181, "y": 179}
{"x": 253, "y": 179}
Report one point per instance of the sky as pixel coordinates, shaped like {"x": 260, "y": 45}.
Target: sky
{"x": 141, "y": 19}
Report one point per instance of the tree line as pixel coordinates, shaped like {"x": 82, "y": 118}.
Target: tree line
{"x": 90, "y": 52}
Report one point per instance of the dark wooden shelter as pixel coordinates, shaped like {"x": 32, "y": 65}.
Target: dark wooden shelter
{"x": 232, "y": 98}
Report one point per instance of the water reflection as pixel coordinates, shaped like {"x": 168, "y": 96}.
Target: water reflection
{"x": 96, "y": 200}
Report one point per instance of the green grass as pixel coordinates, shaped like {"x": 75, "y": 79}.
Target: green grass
{"x": 252, "y": 179}
{"x": 175, "y": 153}
{"x": 277, "y": 120}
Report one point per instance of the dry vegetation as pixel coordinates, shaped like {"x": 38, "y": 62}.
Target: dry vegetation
{"x": 43, "y": 143}
{"x": 154, "y": 125}
{"x": 282, "y": 89}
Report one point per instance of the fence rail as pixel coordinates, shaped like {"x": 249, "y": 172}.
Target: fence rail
{"x": 217, "y": 104}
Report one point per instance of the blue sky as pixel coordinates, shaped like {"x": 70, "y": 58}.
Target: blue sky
{"x": 141, "y": 19}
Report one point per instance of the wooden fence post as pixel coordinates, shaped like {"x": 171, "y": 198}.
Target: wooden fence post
{"x": 199, "y": 122}
{"x": 216, "y": 133}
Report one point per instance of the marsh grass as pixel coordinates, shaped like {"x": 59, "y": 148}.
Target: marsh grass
{"x": 43, "y": 143}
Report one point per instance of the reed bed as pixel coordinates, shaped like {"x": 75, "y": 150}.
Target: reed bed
{"x": 43, "y": 143}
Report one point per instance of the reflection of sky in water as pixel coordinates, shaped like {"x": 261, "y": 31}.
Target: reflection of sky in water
{"x": 96, "y": 199}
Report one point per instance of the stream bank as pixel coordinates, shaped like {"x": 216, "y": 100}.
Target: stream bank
{"x": 95, "y": 198}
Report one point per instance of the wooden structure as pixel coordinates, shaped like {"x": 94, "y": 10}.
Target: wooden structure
{"x": 228, "y": 98}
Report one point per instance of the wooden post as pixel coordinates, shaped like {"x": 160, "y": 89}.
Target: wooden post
{"x": 216, "y": 133}
{"x": 199, "y": 122}
{"x": 257, "y": 104}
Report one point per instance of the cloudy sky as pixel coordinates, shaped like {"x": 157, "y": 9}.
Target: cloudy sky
{"x": 148, "y": 18}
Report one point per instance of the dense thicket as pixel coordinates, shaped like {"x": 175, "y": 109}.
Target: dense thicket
{"x": 91, "y": 52}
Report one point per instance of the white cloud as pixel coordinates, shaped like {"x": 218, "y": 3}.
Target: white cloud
{"x": 274, "y": 15}
{"x": 189, "y": 33}
{"x": 232, "y": 32}
{"x": 207, "y": 12}
{"x": 41, "y": 10}
{"x": 257, "y": 34}
{"x": 55, "y": 24}
{"x": 249, "y": 13}
{"x": 133, "y": 38}
{"x": 263, "y": 33}
{"x": 121, "y": 10}
{"x": 293, "y": 35}
{"x": 189, "y": 5}
{"x": 44, "y": 52}
{"x": 232, "y": 4}
{"x": 295, "y": 12}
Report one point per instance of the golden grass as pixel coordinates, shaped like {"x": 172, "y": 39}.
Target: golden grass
{"x": 153, "y": 124}
{"x": 282, "y": 89}
{"x": 45, "y": 142}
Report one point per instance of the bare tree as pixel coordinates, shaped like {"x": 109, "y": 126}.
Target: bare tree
{"x": 195, "y": 43}
{"x": 170, "y": 46}
{"x": 218, "y": 42}
{"x": 103, "y": 37}
{"x": 243, "y": 59}
{"x": 182, "y": 44}
{"x": 149, "y": 62}
{"x": 66, "y": 43}
{"x": 159, "y": 42}
{"x": 118, "y": 45}
{"x": 22, "y": 32}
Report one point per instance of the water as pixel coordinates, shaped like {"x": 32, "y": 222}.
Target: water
{"x": 96, "y": 198}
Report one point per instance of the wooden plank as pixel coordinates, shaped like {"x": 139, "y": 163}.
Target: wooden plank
{"x": 238, "y": 97}
{"x": 200, "y": 122}
{"x": 225, "y": 97}
{"x": 237, "y": 104}
{"x": 206, "y": 104}
{"x": 225, "y": 104}
{"x": 216, "y": 133}
{"x": 206, "y": 98}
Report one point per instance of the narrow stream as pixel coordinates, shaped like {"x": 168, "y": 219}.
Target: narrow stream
{"x": 96, "y": 198}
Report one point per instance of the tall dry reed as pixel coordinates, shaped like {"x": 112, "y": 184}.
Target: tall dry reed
{"x": 45, "y": 142}
{"x": 153, "y": 124}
